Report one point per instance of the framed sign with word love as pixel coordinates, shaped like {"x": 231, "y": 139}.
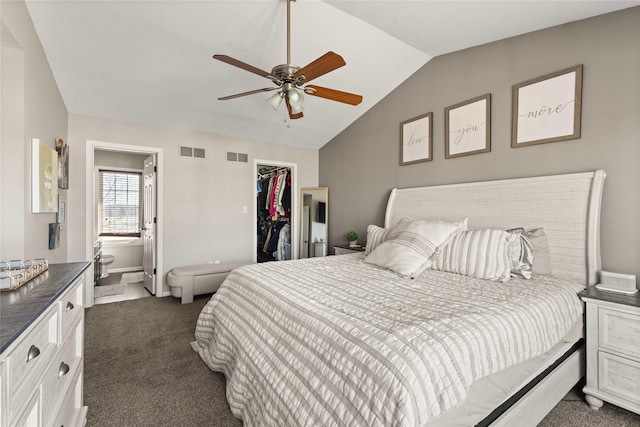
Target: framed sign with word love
{"x": 468, "y": 127}
{"x": 547, "y": 109}
{"x": 415, "y": 140}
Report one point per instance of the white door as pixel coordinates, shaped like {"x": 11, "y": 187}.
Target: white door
{"x": 149, "y": 224}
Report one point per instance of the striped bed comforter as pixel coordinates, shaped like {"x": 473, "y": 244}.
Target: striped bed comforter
{"x": 336, "y": 341}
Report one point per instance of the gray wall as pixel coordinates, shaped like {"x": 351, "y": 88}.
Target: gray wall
{"x": 361, "y": 165}
{"x": 32, "y": 107}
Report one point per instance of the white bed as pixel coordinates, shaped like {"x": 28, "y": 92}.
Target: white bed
{"x": 337, "y": 341}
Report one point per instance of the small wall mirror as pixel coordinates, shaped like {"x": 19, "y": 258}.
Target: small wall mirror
{"x": 314, "y": 221}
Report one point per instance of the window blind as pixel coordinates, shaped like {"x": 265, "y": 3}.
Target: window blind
{"x": 119, "y": 204}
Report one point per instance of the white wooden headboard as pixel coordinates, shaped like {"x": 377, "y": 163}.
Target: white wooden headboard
{"x": 567, "y": 206}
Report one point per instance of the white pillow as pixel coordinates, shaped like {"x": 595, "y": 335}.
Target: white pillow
{"x": 411, "y": 243}
{"x": 375, "y": 236}
{"x": 478, "y": 253}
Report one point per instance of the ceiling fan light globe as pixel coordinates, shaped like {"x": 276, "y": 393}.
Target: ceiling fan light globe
{"x": 296, "y": 98}
{"x": 275, "y": 100}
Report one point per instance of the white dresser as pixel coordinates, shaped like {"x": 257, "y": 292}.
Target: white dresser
{"x": 613, "y": 349}
{"x": 41, "y": 367}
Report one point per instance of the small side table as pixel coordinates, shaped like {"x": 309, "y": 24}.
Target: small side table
{"x": 346, "y": 249}
{"x": 613, "y": 349}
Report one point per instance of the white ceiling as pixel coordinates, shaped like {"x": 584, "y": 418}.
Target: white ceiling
{"x": 150, "y": 61}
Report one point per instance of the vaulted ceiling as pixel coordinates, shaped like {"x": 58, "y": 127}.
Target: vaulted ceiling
{"x": 151, "y": 62}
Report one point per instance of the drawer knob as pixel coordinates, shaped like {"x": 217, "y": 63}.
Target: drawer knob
{"x": 69, "y": 306}
{"x": 33, "y": 353}
{"x": 63, "y": 370}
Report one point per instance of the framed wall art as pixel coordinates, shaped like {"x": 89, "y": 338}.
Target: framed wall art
{"x": 54, "y": 235}
{"x": 63, "y": 163}
{"x": 468, "y": 127}
{"x": 62, "y": 211}
{"x": 416, "y": 139}
{"x": 44, "y": 178}
{"x": 547, "y": 108}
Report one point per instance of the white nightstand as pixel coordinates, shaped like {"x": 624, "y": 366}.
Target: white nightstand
{"x": 346, "y": 249}
{"x": 613, "y": 349}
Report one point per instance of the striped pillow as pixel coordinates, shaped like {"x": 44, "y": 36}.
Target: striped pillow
{"x": 477, "y": 253}
{"x": 375, "y": 236}
{"x": 411, "y": 243}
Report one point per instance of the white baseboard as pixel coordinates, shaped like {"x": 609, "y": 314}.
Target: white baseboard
{"x": 124, "y": 269}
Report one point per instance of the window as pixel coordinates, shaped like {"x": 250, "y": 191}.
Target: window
{"x": 119, "y": 203}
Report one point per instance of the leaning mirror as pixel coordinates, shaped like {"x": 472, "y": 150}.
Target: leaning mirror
{"x": 314, "y": 211}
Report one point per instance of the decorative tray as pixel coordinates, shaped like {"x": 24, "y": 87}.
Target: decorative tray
{"x": 16, "y": 273}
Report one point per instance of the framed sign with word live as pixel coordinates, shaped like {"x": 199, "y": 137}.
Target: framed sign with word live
{"x": 415, "y": 139}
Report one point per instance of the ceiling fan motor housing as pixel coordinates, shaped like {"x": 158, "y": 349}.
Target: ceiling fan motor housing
{"x": 284, "y": 72}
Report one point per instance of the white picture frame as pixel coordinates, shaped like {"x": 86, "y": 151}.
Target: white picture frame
{"x": 44, "y": 178}
{"x": 62, "y": 211}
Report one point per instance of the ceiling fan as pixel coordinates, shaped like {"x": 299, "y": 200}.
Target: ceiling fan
{"x": 291, "y": 81}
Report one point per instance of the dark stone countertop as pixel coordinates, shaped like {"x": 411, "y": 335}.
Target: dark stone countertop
{"x": 21, "y": 307}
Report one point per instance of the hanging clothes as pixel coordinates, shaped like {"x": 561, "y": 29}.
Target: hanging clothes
{"x": 273, "y": 188}
{"x": 283, "y": 251}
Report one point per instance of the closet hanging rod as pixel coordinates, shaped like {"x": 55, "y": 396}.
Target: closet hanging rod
{"x": 277, "y": 169}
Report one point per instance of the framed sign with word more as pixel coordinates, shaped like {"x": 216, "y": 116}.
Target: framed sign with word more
{"x": 415, "y": 140}
{"x": 547, "y": 109}
{"x": 468, "y": 127}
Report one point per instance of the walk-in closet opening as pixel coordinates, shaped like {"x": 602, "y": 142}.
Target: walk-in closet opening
{"x": 275, "y": 208}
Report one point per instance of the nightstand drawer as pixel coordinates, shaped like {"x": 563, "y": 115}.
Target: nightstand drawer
{"x": 619, "y": 331}
{"x": 619, "y": 376}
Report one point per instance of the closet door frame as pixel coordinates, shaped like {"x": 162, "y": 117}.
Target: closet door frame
{"x": 294, "y": 217}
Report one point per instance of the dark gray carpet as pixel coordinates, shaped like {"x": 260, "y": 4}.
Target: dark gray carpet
{"x": 140, "y": 370}
{"x": 573, "y": 411}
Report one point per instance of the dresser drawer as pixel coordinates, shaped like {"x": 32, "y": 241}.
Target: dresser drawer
{"x": 619, "y": 376}
{"x": 28, "y": 359}
{"x": 619, "y": 331}
{"x": 30, "y": 415}
{"x": 70, "y": 414}
{"x": 59, "y": 377}
{"x": 72, "y": 305}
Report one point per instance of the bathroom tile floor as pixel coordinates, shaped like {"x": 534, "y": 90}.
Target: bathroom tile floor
{"x": 132, "y": 290}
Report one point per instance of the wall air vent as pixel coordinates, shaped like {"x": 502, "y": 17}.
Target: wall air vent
{"x": 198, "y": 152}
{"x": 186, "y": 151}
{"x": 232, "y": 157}
{"x": 243, "y": 157}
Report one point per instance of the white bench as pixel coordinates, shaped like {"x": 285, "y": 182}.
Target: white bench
{"x": 185, "y": 282}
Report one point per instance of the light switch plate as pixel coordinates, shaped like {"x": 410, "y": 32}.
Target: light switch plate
{"x": 625, "y": 283}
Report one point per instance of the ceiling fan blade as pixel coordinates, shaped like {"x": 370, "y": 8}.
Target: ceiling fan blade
{"x": 321, "y": 66}
{"x": 291, "y": 115}
{"x": 334, "y": 95}
{"x": 236, "y": 63}
{"x": 251, "y": 92}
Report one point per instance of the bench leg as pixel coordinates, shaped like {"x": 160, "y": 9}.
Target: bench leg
{"x": 187, "y": 296}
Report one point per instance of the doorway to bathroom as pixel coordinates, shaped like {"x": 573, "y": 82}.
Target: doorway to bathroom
{"x": 124, "y": 218}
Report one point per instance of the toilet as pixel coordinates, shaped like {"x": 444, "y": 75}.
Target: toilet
{"x": 105, "y": 260}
